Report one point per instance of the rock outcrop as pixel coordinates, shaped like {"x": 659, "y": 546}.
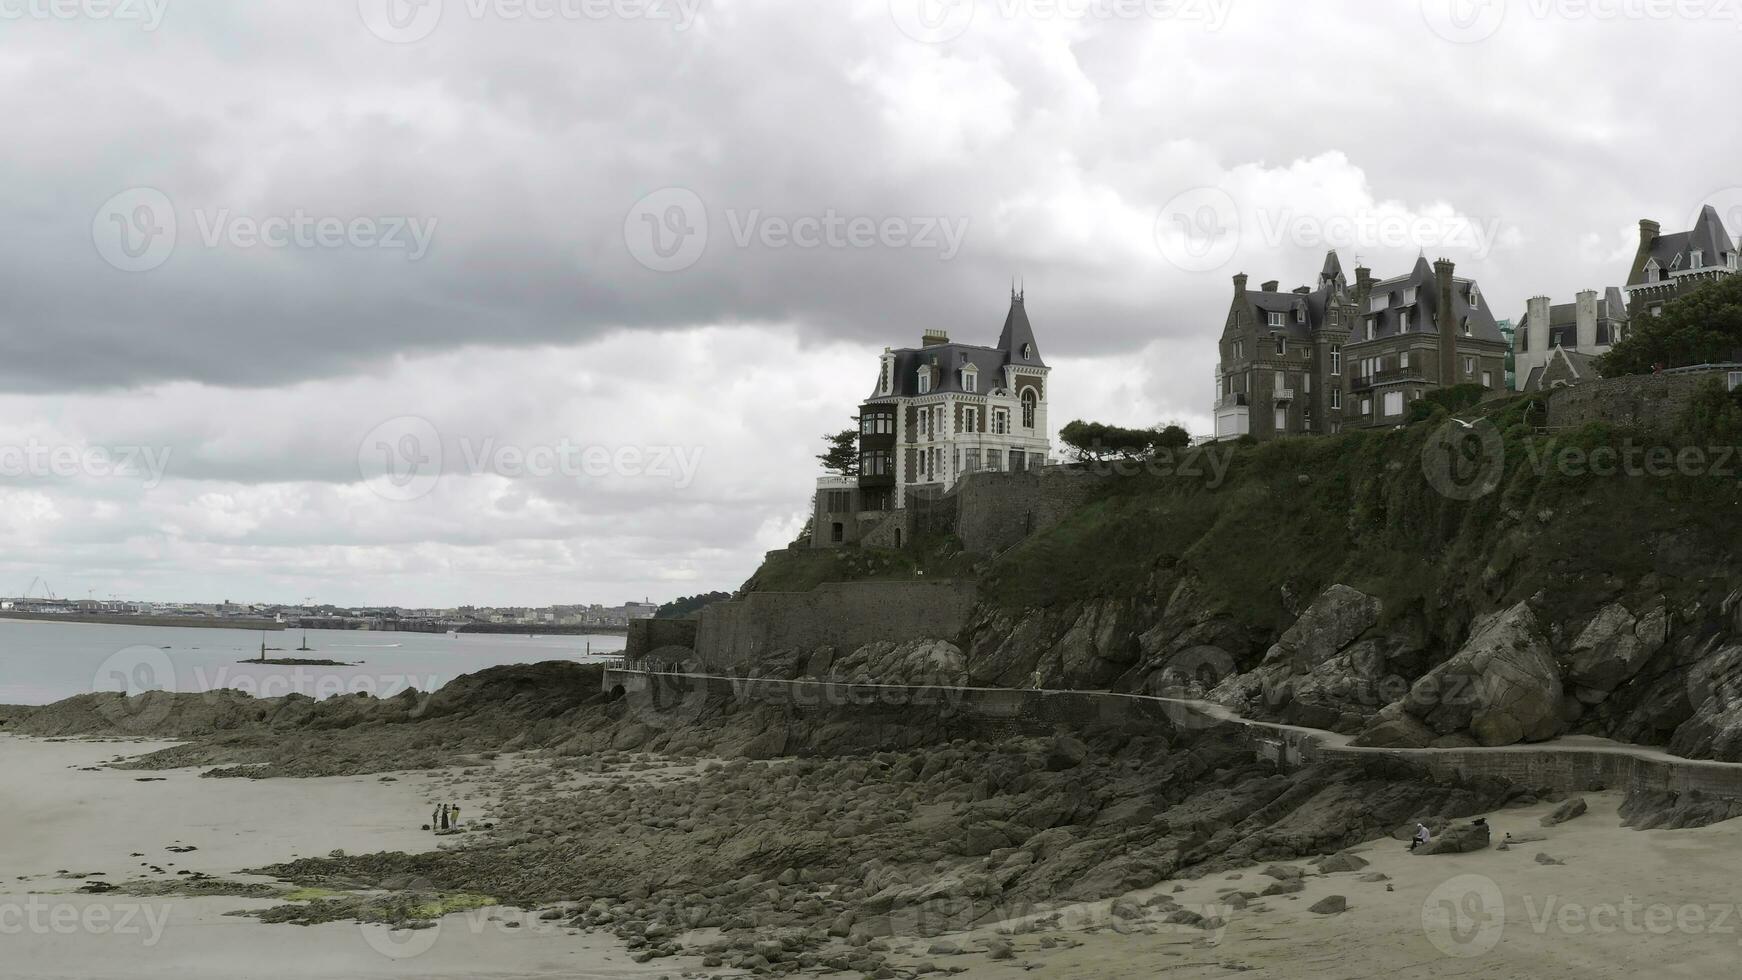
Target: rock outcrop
{"x": 1502, "y": 687}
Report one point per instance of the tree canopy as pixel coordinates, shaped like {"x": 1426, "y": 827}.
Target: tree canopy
{"x": 842, "y": 456}
{"x": 1093, "y": 441}
{"x": 1702, "y": 327}
{"x": 689, "y": 605}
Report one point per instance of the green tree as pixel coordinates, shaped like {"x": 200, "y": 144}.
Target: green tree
{"x": 1097, "y": 441}
{"x": 1701, "y": 327}
{"x": 689, "y": 605}
{"x": 842, "y": 456}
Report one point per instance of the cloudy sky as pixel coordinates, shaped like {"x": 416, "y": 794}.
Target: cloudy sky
{"x": 611, "y": 267}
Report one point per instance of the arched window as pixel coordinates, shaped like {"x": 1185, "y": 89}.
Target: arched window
{"x": 1029, "y": 401}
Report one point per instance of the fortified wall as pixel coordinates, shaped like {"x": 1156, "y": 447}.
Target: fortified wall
{"x": 1651, "y": 402}
{"x": 992, "y": 512}
{"x": 843, "y": 615}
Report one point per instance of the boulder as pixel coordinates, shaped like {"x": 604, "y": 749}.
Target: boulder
{"x": 1574, "y": 807}
{"x": 1394, "y": 728}
{"x": 1503, "y": 686}
{"x": 1335, "y": 619}
{"x": 1614, "y": 645}
{"x": 1457, "y": 839}
{"x": 1330, "y": 905}
{"x": 1342, "y": 862}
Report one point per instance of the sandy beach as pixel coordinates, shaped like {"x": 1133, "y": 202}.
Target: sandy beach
{"x": 1624, "y": 904}
{"x": 66, "y": 819}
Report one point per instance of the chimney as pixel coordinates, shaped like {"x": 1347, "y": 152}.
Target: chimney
{"x": 934, "y": 338}
{"x": 1240, "y": 284}
{"x": 1303, "y": 290}
{"x": 1586, "y": 310}
{"x": 1648, "y": 232}
{"x": 1447, "y": 324}
{"x": 1270, "y": 287}
{"x": 1536, "y": 334}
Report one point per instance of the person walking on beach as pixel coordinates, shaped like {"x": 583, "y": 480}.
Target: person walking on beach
{"x": 435, "y": 819}
{"x": 1421, "y": 836}
{"x": 444, "y": 816}
{"x": 456, "y": 816}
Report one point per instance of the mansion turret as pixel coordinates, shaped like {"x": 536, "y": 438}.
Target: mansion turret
{"x": 938, "y": 412}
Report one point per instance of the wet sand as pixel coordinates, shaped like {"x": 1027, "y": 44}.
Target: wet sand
{"x": 62, "y": 818}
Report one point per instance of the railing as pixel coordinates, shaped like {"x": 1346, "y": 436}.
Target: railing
{"x": 1282, "y": 395}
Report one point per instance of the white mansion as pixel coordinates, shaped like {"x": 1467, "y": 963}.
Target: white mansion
{"x": 939, "y": 412}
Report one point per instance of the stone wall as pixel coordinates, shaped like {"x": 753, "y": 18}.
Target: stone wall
{"x": 998, "y": 510}
{"x": 648, "y": 635}
{"x": 843, "y": 615}
{"x": 1652, "y": 402}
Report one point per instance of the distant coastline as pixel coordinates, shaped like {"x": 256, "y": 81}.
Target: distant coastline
{"x": 119, "y": 619}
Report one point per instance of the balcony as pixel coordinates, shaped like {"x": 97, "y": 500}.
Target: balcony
{"x": 1236, "y": 400}
{"x": 1391, "y": 377}
{"x": 1281, "y": 395}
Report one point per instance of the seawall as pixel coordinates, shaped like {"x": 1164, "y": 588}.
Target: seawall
{"x": 844, "y": 616}
{"x": 1572, "y": 765}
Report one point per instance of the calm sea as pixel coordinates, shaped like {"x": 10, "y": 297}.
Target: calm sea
{"x": 44, "y": 662}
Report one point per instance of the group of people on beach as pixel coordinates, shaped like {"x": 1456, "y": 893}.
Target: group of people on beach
{"x": 445, "y": 817}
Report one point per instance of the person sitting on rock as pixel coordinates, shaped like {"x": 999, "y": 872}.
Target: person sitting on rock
{"x": 1421, "y": 836}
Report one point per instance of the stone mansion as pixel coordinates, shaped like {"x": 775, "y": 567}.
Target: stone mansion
{"x": 938, "y": 412}
{"x": 1324, "y": 358}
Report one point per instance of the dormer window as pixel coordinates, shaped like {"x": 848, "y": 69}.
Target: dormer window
{"x": 1409, "y": 296}
{"x": 1466, "y": 326}
{"x": 1475, "y": 297}
{"x": 1275, "y": 319}
{"x": 1028, "y": 352}
{"x": 1697, "y": 260}
{"x": 1402, "y": 322}
{"x": 970, "y": 379}
{"x": 1676, "y": 262}
{"x": 924, "y": 381}
{"x": 1652, "y": 270}
{"x": 1300, "y": 314}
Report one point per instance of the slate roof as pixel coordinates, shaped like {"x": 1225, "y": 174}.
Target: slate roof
{"x": 1424, "y": 311}
{"x": 1708, "y": 235}
{"x": 952, "y": 358}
